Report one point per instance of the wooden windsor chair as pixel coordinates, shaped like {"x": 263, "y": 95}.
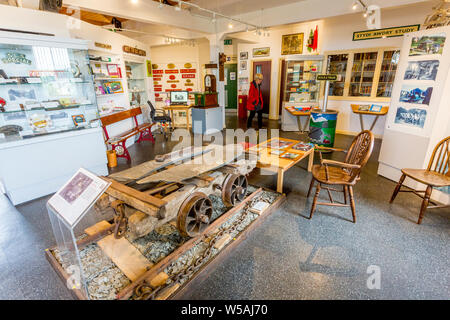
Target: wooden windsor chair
{"x": 436, "y": 175}
{"x": 345, "y": 174}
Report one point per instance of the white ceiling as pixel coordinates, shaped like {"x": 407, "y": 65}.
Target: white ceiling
{"x": 237, "y": 7}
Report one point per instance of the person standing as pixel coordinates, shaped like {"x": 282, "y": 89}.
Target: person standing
{"x": 255, "y": 101}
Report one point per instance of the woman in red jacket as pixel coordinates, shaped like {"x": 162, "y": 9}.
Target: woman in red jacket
{"x": 255, "y": 101}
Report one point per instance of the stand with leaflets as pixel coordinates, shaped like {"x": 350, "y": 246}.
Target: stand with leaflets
{"x": 70, "y": 212}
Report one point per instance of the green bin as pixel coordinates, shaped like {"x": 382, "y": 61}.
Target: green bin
{"x": 322, "y": 127}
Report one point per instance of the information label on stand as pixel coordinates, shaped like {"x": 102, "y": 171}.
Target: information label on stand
{"x": 326, "y": 77}
{"x": 77, "y": 196}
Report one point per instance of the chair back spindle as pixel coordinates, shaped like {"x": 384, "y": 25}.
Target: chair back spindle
{"x": 359, "y": 152}
{"x": 440, "y": 159}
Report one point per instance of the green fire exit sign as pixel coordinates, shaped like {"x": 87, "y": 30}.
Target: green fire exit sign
{"x": 228, "y": 42}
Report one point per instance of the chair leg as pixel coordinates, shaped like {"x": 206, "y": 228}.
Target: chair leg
{"x": 345, "y": 194}
{"x": 311, "y": 185}
{"x": 397, "y": 187}
{"x": 425, "y": 201}
{"x": 313, "y": 208}
{"x": 352, "y": 202}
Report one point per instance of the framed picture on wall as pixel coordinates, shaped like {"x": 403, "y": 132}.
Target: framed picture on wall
{"x": 292, "y": 43}
{"x": 261, "y": 52}
{"x": 243, "y": 55}
{"x": 243, "y": 65}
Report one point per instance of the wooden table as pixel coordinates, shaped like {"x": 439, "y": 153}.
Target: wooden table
{"x": 276, "y": 163}
{"x": 186, "y": 109}
{"x": 297, "y": 115}
{"x": 355, "y": 109}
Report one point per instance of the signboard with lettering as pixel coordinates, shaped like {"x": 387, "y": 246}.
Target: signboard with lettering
{"x": 384, "y": 33}
{"x": 326, "y": 77}
{"x": 136, "y": 51}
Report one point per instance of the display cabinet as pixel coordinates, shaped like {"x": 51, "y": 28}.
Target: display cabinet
{"x": 136, "y": 79}
{"x": 301, "y": 90}
{"x": 365, "y": 74}
{"x": 300, "y": 79}
{"x": 44, "y": 90}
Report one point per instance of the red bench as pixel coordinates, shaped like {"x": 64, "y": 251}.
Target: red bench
{"x": 118, "y": 142}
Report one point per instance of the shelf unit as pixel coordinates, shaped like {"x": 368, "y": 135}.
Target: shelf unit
{"x": 366, "y": 74}
{"x": 137, "y": 82}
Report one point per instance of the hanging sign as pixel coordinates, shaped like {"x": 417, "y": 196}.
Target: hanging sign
{"x": 384, "y": 33}
{"x": 326, "y": 77}
{"x": 135, "y": 51}
{"x": 102, "y": 45}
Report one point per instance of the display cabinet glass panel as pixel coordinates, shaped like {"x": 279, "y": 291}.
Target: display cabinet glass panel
{"x": 337, "y": 64}
{"x": 387, "y": 73}
{"x": 136, "y": 83}
{"x": 300, "y": 82}
{"x": 44, "y": 90}
{"x": 363, "y": 72}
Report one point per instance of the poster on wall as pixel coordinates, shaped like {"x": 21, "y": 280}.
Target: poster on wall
{"x": 243, "y": 65}
{"x": 416, "y": 94}
{"x": 292, "y": 44}
{"x": 422, "y": 70}
{"x": 425, "y": 45}
{"x": 243, "y": 55}
{"x": 411, "y": 117}
{"x": 261, "y": 52}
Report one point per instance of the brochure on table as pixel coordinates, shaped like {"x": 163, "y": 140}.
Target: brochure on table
{"x": 77, "y": 196}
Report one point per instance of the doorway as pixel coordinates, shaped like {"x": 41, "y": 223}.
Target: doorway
{"x": 231, "y": 86}
{"x": 265, "y": 68}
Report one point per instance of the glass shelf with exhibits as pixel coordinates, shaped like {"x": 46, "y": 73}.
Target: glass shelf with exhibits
{"x": 44, "y": 90}
{"x": 300, "y": 84}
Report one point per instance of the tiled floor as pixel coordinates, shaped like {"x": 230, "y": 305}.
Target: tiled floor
{"x": 288, "y": 257}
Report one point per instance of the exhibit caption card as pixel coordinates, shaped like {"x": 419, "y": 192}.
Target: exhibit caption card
{"x": 76, "y": 197}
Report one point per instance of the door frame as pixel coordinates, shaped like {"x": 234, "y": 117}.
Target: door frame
{"x": 251, "y": 77}
{"x": 237, "y": 88}
{"x": 279, "y": 93}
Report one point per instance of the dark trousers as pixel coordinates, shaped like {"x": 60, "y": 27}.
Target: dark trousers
{"x": 251, "y": 116}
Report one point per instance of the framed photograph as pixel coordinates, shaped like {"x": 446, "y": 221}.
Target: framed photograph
{"x": 113, "y": 70}
{"x": 261, "y": 52}
{"x": 425, "y": 45}
{"x": 292, "y": 44}
{"x": 115, "y": 86}
{"x": 243, "y": 55}
{"x": 416, "y": 94}
{"x": 422, "y": 70}
{"x": 411, "y": 117}
{"x": 243, "y": 65}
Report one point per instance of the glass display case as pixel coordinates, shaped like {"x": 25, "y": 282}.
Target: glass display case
{"x": 300, "y": 80}
{"x": 387, "y": 73}
{"x": 136, "y": 78}
{"x": 337, "y": 64}
{"x": 363, "y": 72}
{"x": 44, "y": 90}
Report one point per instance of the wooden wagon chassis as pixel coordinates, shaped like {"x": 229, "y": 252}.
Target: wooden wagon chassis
{"x": 155, "y": 275}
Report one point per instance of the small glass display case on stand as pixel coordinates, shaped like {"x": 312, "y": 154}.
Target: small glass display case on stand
{"x": 301, "y": 90}
{"x": 136, "y": 83}
{"x": 44, "y": 90}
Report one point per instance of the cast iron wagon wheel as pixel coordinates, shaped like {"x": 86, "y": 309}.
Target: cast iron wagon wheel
{"x": 194, "y": 214}
{"x": 234, "y": 189}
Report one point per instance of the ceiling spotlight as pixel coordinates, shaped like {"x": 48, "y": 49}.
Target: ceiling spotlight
{"x": 246, "y": 28}
{"x": 160, "y": 4}
{"x": 214, "y": 18}
{"x": 230, "y": 25}
{"x": 355, "y": 5}
{"x": 365, "y": 14}
{"x": 134, "y": 1}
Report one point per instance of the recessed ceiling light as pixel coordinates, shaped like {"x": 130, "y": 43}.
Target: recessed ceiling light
{"x": 134, "y": 1}
{"x": 230, "y": 25}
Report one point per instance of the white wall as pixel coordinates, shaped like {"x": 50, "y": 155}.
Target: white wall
{"x": 334, "y": 34}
